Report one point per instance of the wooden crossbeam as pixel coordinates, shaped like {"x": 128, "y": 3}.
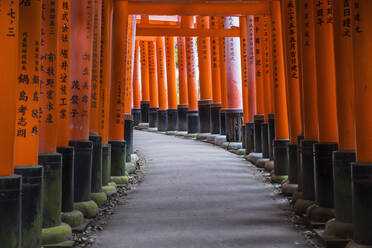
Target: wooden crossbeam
{"x": 187, "y": 32}
{"x": 206, "y": 9}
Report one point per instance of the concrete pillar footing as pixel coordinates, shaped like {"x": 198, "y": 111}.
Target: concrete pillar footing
{"x": 253, "y": 157}
{"x": 317, "y": 214}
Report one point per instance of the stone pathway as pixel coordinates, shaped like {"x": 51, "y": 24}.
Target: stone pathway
{"x": 197, "y": 195}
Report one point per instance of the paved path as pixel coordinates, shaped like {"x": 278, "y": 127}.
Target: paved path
{"x": 197, "y": 195}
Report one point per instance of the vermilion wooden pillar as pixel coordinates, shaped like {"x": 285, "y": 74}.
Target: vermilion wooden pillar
{"x": 62, "y": 111}
{"x": 267, "y": 128}
{"x": 153, "y": 81}
{"x": 48, "y": 158}
{"x": 10, "y": 184}
{"x": 280, "y": 103}
{"x": 224, "y": 104}
{"x": 327, "y": 111}
{"x": 162, "y": 84}
{"x": 289, "y": 10}
{"x": 26, "y": 142}
{"x": 182, "y": 84}
{"x": 260, "y": 94}
{"x": 171, "y": 84}
{"x": 310, "y": 113}
{"x": 136, "y": 111}
{"x": 251, "y": 86}
{"x": 234, "y": 111}
{"x": 128, "y": 87}
{"x": 96, "y": 183}
{"x": 345, "y": 155}
{"x": 193, "y": 113}
{"x": 205, "y": 76}
{"x": 145, "y": 103}
{"x": 118, "y": 81}
{"x": 104, "y": 103}
{"x": 80, "y": 93}
{"x": 216, "y": 78}
{"x": 362, "y": 169}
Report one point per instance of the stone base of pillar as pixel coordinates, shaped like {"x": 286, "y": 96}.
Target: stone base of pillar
{"x": 317, "y": 214}
{"x": 353, "y": 244}
{"x": 32, "y": 191}
{"x": 338, "y": 229}
{"x": 341, "y": 226}
{"x": 153, "y": 117}
{"x": 67, "y": 153}
{"x": 280, "y": 158}
{"x": 292, "y": 162}
{"x": 265, "y": 139}
{"x": 172, "y": 120}
{"x": 215, "y": 118}
{"x": 10, "y": 210}
{"x": 118, "y": 150}
{"x": 223, "y": 121}
{"x": 52, "y": 187}
{"x": 204, "y": 116}
{"x": 96, "y": 183}
{"x": 128, "y": 137}
{"x": 249, "y": 139}
{"x": 182, "y": 117}
{"x": 323, "y": 174}
{"x": 106, "y": 164}
{"x": 233, "y": 124}
{"x": 137, "y": 116}
{"x": 307, "y": 164}
{"x": 299, "y": 164}
{"x": 192, "y": 122}
{"x": 82, "y": 169}
{"x": 361, "y": 174}
{"x": 301, "y": 205}
{"x": 258, "y": 120}
{"x": 271, "y": 123}
{"x": 145, "y": 109}
{"x": 162, "y": 120}
{"x": 54, "y": 231}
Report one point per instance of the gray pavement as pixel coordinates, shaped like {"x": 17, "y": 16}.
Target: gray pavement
{"x": 197, "y": 195}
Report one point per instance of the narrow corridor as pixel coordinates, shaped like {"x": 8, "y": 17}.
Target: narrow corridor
{"x": 197, "y": 195}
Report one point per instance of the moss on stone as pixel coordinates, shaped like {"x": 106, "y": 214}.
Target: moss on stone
{"x": 88, "y": 208}
{"x": 109, "y": 190}
{"x": 99, "y": 198}
{"x": 278, "y": 179}
{"x": 120, "y": 180}
{"x": 73, "y": 218}
{"x": 56, "y": 234}
{"x": 130, "y": 167}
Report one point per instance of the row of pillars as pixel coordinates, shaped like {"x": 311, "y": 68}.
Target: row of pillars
{"x": 67, "y": 127}
{"x": 294, "y": 88}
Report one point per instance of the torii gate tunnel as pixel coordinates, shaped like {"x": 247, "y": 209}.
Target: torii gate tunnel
{"x": 290, "y": 80}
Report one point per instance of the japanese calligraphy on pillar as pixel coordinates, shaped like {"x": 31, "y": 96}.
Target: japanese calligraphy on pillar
{"x": 105, "y": 70}
{"x": 233, "y": 66}
{"x": 81, "y": 68}
{"x": 308, "y": 15}
{"x": 27, "y": 107}
{"x": 96, "y": 52}
{"x": 357, "y": 24}
{"x": 291, "y": 23}
{"x": 63, "y": 70}
{"x": 128, "y": 93}
{"x": 258, "y": 47}
{"x": 190, "y": 51}
{"x": 9, "y": 36}
{"x": 244, "y": 52}
{"x": 48, "y": 76}
{"x": 324, "y": 11}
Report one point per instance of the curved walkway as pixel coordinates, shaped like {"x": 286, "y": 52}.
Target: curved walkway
{"x": 197, "y": 195}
